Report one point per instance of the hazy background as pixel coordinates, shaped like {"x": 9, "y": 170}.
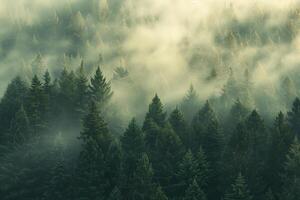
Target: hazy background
{"x": 164, "y": 45}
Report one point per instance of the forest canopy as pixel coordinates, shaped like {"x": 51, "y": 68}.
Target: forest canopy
{"x": 149, "y": 100}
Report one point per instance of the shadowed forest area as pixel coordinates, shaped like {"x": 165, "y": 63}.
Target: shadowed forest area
{"x": 149, "y": 100}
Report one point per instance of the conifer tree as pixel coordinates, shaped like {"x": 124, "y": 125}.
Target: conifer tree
{"x": 100, "y": 89}
{"x": 294, "y": 117}
{"x": 20, "y": 127}
{"x": 194, "y": 192}
{"x": 178, "y": 124}
{"x": 115, "y": 194}
{"x": 13, "y": 98}
{"x": 280, "y": 140}
{"x": 155, "y": 113}
{"x": 189, "y": 104}
{"x": 143, "y": 180}
{"x": 36, "y": 106}
{"x": 81, "y": 91}
{"x": 291, "y": 176}
{"x": 207, "y": 134}
{"x": 239, "y": 190}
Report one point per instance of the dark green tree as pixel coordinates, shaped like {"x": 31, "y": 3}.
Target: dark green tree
{"x": 100, "y": 89}
{"x": 179, "y": 125}
{"x": 36, "y": 107}
{"x": 294, "y": 117}
{"x": 81, "y": 86}
{"x": 14, "y": 97}
{"x": 194, "y": 192}
{"x": 189, "y": 104}
{"x": 291, "y": 176}
{"x": 20, "y": 127}
{"x": 281, "y": 138}
{"x": 206, "y": 133}
{"x": 239, "y": 190}
{"x": 155, "y": 114}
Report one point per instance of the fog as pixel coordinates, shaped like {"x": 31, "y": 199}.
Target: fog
{"x": 165, "y": 45}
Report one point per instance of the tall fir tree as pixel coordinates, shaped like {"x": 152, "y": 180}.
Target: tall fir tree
{"x": 190, "y": 103}
{"x": 179, "y": 125}
{"x": 155, "y": 114}
{"x": 281, "y": 138}
{"x": 81, "y": 94}
{"x": 13, "y": 98}
{"x": 206, "y": 133}
{"x": 294, "y": 117}
{"x": 20, "y": 127}
{"x": 291, "y": 176}
{"x": 100, "y": 89}
{"x": 36, "y": 106}
{"x": 239, "y": 190}
{"x": 194, "y": 192}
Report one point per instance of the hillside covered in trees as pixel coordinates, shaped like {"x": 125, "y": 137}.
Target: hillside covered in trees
{"x": 149, "y": 100}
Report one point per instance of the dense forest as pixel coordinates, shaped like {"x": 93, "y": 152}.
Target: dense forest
{"x": 149, "y": 100}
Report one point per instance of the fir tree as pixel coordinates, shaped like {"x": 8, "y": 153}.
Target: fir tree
{"x": 178, "y": 124}
{"x": 280, "y": 140}
{"x": 239, "y": 190}
{"x": 20, "y": 128}
{"x": 189, "y": 104}
{"x": 100, "y": 89}
{"x": 194, "y": 192}
{"x": 291, "y": 176}
{"x": 36, "y": 106}
{"x": 294, "y": 117}
{"x": 14, "y": 97}
{"x": 155, "y": 113}
{"x": 81, "y": 91}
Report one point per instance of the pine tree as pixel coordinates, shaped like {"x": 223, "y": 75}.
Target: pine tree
{"x": 194, "y": 192}
{"x": 100, "y": 89}
{"x": 206, "y": 133}
{"x": 189, "y": 104}
{"x": 280, "y": 140}
{"x": 14, "y": 97}
{"x": 133, "y": 147}
{"x": 291, "y": 176}
{"x": 143, "y": 180}
{"x": 94, "y": 128}
{"x": 294, "y": 117}
{"x": 239, "y": 190}
{"x": 159, "y": 194}
{"x": 178, "y": 124}
{"x": 237, "y": 114}
{"x": 155, "y": 113}
{"x": 20, "y": 128}
{"x": 192, "y": 169}
{"x": 115, "y": 194}
{"x": 58, "y": 184}
{"x": 36, "y": 107}
{"x": 81, "y": 91}
{"x": 257, "y": 152}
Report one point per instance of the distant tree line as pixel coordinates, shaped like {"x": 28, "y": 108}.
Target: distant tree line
{"x": 184, "y": 155}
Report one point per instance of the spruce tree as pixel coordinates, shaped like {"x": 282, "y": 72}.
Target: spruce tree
{"x": 179, "y": 125}
{"x": 20, "y": 127}
{"x": 100, "y": 89}
{"x": 36, "y": 106}
{"x": 189, "y": 104}
{"x": 239, "y": 190}
{"x": 143, "y": 185}
{"x": 291, "y": 176}
{"x": 194, "y": 192}
{"x": 155, "y": 113}
{"x": 280, "y": 140}
{"x": 206, "y": 133}
{"x": 294, "y": 117}
{"x": 13, "y": 98}
{"x": 81, "y": 93}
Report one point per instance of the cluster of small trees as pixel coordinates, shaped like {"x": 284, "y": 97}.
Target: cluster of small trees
{"x": 166, "y": 158}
